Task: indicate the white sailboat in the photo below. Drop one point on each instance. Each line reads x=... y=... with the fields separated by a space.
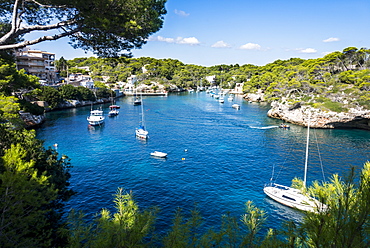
x=295 y=198
x=140 y=130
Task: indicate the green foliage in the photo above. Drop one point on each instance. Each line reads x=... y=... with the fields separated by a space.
x=253 y=220
x=334 y=106
x=346 y=222
x=103 y=93
x=49 y=95
x=24 y=196
x=127 y=227
x=37 y=184
x=99 y=85
x=69 y=92
x=86 y=94
x=31 y=108
x=12 y=80
x=9 y=109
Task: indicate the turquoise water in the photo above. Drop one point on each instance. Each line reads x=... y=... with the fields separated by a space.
x=218 y=157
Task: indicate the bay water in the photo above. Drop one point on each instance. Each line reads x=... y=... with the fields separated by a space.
x=218 y=157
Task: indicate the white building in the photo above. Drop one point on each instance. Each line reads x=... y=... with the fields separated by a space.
x=211 y=79
x=37 y=63
x=132 y=79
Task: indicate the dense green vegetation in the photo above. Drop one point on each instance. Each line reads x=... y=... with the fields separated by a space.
x=337 y=82
x=33 y=184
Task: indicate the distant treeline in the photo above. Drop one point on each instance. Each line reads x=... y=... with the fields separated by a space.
x=339 y=78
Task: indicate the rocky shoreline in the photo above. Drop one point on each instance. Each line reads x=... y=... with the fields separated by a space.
x=320 y=119
x=299 y=114
x=31 y=120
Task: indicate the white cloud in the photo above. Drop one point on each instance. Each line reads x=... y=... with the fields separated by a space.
x=178 y=40
x=331 y=39
x=308 y=50
x=188 y=41
x=250 y=46
x=220 y=44
x=181 y=13
x=168 y=40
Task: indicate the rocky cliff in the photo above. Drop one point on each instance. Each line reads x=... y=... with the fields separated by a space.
x=31 y=120
x=299 y=114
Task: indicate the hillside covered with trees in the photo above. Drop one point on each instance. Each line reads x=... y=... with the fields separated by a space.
x=338 y=81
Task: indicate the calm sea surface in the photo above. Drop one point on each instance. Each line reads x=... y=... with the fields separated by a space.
x=218 y=157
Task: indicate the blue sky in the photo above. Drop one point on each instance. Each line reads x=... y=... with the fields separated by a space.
x=249 y=32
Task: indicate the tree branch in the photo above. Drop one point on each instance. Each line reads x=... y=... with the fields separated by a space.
x=47 y=6
x=38 y=40
x=25 y=30
x=14 y=24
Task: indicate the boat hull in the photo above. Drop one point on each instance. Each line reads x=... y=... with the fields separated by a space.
x=141 y=133
x=236 y=106
x=159 y=154
x=113 y=113
x=96 y=118
x=293 y=198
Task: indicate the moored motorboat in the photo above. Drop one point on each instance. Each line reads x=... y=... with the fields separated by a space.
x=137 y=101
x=235 y=106
x=114 y=106
x=283 y=125
x=96 y=117
x=113 y=112
x=159 y=154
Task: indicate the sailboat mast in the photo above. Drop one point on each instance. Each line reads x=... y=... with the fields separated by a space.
x=142 y=110
x=307 y=144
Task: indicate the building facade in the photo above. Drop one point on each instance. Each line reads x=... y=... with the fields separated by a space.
x=37 y=63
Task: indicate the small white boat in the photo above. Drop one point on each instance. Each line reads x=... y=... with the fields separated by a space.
x=137 y=101
x=159 y=154
x=96 y=117
x=235 y=106
x=285 y=126
x=230 y=98
x=113 y=112
x=221 y=100
x=140 y=131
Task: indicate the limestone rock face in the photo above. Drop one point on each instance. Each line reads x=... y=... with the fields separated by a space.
x=297 y=114
x=31 y=120
x=255 y=97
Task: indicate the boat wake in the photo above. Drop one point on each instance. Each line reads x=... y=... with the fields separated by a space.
x=268 y=127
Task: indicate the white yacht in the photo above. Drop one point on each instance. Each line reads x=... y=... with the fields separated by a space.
x=96 y=117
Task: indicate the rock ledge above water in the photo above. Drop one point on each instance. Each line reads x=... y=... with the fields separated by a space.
x=299 y=114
